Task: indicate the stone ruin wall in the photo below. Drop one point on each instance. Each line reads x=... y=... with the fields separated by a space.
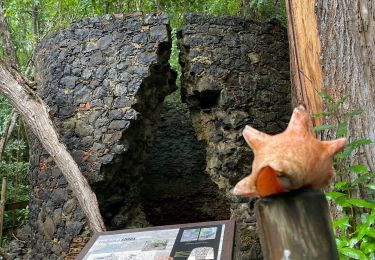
x=104 y=80
x=235 y=72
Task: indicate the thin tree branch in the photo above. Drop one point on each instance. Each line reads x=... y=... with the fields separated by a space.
x=35 y=115
x=8 y=131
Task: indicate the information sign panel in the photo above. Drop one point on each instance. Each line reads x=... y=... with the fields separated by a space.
x=195 y=241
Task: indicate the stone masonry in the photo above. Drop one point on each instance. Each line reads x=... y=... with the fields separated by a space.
x=103 y=80
x=234 y=72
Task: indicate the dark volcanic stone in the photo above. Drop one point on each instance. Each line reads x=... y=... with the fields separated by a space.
x=96 y=77
x=234 y=73
x=104 y=42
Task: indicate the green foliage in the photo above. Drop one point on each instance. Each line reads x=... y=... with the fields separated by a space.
x=5 y=109
x=267 y=9
x=355 y=230
x=14 y=165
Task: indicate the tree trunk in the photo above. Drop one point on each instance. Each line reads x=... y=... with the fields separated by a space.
x=106 y=9
x=3 y=199
x=35 y=20
x=8 y=44
x=35 y=115
x=304 y=46
x=119 y=6
x=138 y=5
x=347 y=34
x=158 y=6
x=8 y=131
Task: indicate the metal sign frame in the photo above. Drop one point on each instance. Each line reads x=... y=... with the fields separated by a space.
x=186 y=237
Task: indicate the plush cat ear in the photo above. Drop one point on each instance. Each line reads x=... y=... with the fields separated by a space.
x=335 y=146
x=254 y=138
x=300 y=120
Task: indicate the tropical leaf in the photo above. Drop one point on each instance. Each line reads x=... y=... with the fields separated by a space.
x=361 y=203
x=342 y=129
x=358 y=169
x=371 y=186
x=342 y=222
x=363 y=178
x=322 y=114
x=355 y=113
x=326 y=96
x=352 y=146
x=353 y=253
x=334 y=195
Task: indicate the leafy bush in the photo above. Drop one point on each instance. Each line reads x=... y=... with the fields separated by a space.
x=355 y=228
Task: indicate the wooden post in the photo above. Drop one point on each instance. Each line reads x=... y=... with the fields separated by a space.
x=2 y=206
x=296 y=225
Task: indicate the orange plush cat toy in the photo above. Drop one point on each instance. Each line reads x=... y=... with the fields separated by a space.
x=288 y=161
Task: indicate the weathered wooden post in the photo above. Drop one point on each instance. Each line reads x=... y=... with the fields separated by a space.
x=296 y=225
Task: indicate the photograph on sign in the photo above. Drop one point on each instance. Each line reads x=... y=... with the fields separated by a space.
x=133 y=246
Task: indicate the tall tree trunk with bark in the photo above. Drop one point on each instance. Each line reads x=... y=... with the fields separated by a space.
x=347 y=35
x=332 y=47
x=35 y=20
x=342 y=34
x=7 y=40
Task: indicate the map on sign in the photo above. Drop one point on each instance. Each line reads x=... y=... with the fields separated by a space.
x=188 y=242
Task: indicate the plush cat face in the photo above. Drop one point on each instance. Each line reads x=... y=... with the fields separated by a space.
x=288 y=161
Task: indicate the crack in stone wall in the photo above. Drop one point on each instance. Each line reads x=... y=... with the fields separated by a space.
x=103 y=80
x=175 y=188
x=120 y=196
x=234 y=72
